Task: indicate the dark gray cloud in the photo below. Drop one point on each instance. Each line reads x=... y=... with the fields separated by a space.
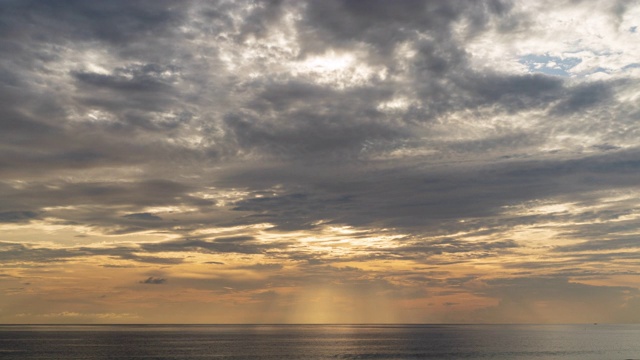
x=455 y=246
x=311 y=120
x=17 y=253
x=142 y=97
x=143 y=253
x=238 y=244
x=400 y=196
x=143 y=216
x=116 y=23
x=381 y=24
x=584 y=97
x=262 y=267
x=17 y=216
x=153 y=281
x=620 y=242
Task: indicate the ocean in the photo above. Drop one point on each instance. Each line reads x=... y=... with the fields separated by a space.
x=540 y=342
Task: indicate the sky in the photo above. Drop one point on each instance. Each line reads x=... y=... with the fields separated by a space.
x=319 y=161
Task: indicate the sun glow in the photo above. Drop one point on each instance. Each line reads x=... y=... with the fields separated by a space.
x=339 y=70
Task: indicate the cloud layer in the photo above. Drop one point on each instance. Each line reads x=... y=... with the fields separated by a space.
x=284 y=158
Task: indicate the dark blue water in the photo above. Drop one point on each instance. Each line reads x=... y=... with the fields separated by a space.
x=597 y=342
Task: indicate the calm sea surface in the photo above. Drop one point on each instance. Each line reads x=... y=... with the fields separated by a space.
x=597 y=342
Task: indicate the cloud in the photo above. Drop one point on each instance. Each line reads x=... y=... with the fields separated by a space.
x=585 y=96
x=214 y=262
x=262 y=267
x=81 y=21
x=17 y=216
x=143 y=216
x=153 y=281
x=236 y=244
x=628 y=242
x=37 y=253
x=452 y=246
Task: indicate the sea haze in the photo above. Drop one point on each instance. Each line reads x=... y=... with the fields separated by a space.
x=584 y=342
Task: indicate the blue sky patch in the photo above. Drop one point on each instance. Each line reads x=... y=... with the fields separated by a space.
x=550 y=65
